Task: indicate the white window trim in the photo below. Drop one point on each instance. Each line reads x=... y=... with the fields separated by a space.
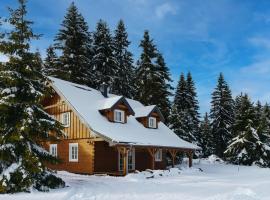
x=133 y=161
x=122 y=120
x=62 y=119
x=70 y=152
x=158 y=155
x=154 y=122
x=53 y=146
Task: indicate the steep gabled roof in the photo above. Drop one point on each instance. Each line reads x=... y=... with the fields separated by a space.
x=146 y=111
x=86 y=102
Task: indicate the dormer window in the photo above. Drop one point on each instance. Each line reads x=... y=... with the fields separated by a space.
x=119 y=116
x=152 y=122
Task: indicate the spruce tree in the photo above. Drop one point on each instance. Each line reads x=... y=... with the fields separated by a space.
x=181 y=124
x=74 y=43
x=23 y=123
x=206 y=138
x=222 y=116
x=193 y=107
x=163 y=89
x=246 y=147
x=104 y=63
x=146 y=71
x=124 y=79
x=51 y=63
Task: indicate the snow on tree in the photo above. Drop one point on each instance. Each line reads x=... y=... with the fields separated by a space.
x=222 y=116
x=246 y=147
x=51 y=63
x=186 y=107
x=74 y=43
x=23 y=122
x=124 y=78
x=206 y=138
x=104 y=63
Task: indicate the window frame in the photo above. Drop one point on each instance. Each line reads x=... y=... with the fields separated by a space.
x=122 y=116
x=131 y=156
x=68 y=118
x=75 y=158
x=154 y=122
x=158 y=155
x=53 y=150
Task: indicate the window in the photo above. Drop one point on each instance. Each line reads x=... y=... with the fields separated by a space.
x=119 y=116
x=65 y=119
x=152 y=122
x=73 y=152
x=131 y=160
x=158 y=155
x=53 y=149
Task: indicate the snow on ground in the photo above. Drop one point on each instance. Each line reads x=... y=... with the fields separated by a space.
x=208 y=179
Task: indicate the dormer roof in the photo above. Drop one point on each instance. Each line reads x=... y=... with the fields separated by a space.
x=146 y=111
x=111 y=102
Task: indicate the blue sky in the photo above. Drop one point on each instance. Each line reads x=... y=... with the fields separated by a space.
x=204 y=37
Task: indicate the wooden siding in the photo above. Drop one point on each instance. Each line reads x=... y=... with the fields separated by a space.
x=57 y=106
x=106 y=158
x=110 y=113
x=86 y=151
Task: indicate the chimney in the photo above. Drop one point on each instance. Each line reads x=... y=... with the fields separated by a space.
x=104 y=88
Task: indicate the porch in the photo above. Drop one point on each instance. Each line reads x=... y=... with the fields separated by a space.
x=121 y=159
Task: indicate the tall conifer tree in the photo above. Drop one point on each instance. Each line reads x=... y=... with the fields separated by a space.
x=22 y=89
x=124 y=81
x=104 y=63
x=146 y=71
x=74 y=43
x=222 y=115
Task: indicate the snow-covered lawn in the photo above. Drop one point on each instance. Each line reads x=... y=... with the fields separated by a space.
x=217 y=181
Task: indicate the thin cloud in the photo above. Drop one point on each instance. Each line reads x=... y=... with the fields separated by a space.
x=164 y=9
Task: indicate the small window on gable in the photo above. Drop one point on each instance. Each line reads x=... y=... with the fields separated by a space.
x=65 y=119
x=152 y=122
x=119 y=116
x=158 y=155
x=73 y=152
x=53 y=150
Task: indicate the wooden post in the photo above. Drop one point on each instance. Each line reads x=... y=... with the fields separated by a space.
x=173 y=153
x=190 y=155
x=152 y=152
x=124 y=152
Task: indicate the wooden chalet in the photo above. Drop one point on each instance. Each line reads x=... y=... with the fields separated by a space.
x=105 y=133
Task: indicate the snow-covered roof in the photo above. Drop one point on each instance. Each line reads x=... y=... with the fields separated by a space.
x=145 y=111
x=87 y=102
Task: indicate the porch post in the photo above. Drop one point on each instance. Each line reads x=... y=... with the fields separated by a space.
x=173 y=153
x=190 y=155
x=152 y=152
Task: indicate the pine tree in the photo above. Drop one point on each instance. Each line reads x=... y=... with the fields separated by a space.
x=206 y=139
x=146 y=71
x=22 y=87
x=104 y=63
x=51 y=63
x=124 y=81
x=222 y=116
x=74 y=43
x=193 y=107
x=247 y=148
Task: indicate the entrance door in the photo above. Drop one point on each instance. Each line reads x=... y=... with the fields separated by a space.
x=130 y=160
